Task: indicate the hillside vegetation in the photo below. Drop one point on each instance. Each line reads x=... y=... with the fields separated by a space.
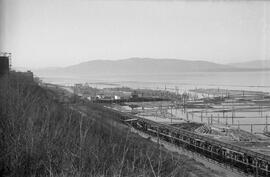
x=41 y=137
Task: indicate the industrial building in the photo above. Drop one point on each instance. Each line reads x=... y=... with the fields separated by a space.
x=4 y=63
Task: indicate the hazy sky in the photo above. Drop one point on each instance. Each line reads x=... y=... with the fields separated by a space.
x=41 y=33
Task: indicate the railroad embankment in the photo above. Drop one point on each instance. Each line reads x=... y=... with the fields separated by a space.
x=41 y=136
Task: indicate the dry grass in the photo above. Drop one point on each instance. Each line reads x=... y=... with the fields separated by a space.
x=41 y=137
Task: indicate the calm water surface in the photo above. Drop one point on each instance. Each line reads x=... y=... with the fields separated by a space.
x=259 y=81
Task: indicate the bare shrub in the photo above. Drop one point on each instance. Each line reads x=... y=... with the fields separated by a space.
x=41 y=137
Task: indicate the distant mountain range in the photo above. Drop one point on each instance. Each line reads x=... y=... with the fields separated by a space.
x=256 y=64
x=151 y=66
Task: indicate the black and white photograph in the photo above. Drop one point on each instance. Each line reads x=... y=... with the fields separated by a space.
x=134 y=88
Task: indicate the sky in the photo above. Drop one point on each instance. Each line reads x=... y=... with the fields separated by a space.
x=45 y=33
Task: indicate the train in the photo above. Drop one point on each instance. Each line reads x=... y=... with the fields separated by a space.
x=232 y=156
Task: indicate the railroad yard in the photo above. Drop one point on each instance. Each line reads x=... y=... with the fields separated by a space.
x=236 y=117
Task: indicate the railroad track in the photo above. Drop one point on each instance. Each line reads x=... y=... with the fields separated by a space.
x=231 y=156
x=209 y=163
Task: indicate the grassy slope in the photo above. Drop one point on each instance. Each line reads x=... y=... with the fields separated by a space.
x=41 y=137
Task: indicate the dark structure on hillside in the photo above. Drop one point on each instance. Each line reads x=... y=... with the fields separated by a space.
x=27 y=76
x=4 y=63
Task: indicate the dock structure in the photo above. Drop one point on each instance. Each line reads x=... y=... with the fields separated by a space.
x=241 y=108
x=142 y=99
x=232 y=156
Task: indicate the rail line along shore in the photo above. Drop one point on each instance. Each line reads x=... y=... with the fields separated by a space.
x=233 y=147
x=228 y=127
x=137 y=88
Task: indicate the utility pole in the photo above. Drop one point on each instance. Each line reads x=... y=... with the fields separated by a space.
x=232 y=115
x=266 y=124
x=171 y=114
